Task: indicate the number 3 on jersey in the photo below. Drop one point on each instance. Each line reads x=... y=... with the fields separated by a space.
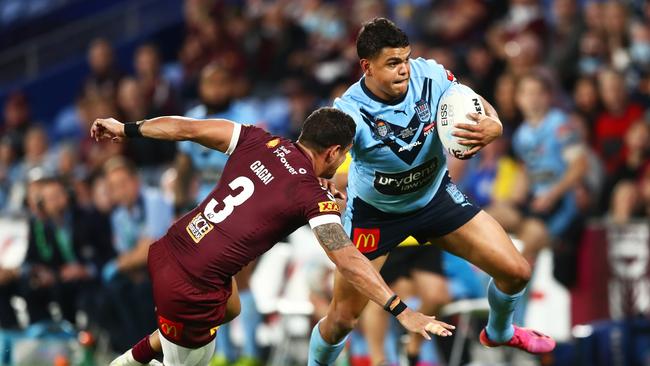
x=229 y=202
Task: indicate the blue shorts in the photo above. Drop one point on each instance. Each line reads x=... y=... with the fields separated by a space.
x=376 y=233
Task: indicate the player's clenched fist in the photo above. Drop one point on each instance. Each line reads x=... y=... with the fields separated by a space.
x=107 y=129
x=419 y=323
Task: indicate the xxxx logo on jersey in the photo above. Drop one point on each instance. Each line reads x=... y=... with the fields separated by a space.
x=273 y=143
x=328 y=206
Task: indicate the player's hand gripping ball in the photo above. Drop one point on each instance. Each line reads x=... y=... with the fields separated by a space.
x=454 y=106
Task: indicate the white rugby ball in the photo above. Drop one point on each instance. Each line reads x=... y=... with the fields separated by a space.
x=454 y=105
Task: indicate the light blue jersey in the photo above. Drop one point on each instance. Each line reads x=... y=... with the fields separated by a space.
x=398 y=161
x=208 y=162
x=541 y=148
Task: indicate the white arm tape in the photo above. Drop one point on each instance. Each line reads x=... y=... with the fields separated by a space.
x=324 y=219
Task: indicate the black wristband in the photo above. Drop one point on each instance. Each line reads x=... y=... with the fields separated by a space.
x=390 y=301
x=132 y=129
x=397 y=310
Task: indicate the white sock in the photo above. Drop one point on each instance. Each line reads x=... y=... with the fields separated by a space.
x=125 y=359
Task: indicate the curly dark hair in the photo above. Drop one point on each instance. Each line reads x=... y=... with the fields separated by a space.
x=377 y=34
x=327 y=127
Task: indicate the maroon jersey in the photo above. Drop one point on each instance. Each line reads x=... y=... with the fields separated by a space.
x=268 y=189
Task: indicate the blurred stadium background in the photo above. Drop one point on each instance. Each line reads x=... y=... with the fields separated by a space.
x=68 y=213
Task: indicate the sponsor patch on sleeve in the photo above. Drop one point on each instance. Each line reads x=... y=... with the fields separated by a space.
x=328 y=206
x=198 y=227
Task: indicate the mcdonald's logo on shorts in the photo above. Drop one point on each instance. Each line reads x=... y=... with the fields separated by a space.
x=170 y=329
x=366 y=240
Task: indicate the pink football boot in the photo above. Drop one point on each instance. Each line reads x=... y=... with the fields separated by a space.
x=525 y=339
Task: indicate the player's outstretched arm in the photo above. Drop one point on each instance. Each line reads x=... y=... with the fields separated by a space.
x=212 y=133
x=362 y=275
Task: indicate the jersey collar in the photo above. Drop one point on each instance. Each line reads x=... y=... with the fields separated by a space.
x=372 y=96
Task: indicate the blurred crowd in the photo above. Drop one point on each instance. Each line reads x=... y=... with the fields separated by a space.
x=94 y=208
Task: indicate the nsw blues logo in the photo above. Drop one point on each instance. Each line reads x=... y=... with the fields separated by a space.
x=423 y=111
x=456 y=195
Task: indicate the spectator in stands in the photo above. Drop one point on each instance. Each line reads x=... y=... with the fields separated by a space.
x=9 y=278
x=594 y=17
x=621 y=188
x=612 y=124
x=140 y=216
x=157 y=92
x=55 y=269
x=565 y=30
x=69 y=124
x=16 y=120
x=281 y=42
x=95 y=154
x=586 y=101
x=593 y=54
x=639 y=49
x=523 y=17
x=615 y=22
x=37 y=153
x=207 y=41
x=68 y=165
x=504 y=103
x=324 y=24
x=524 y=55
x=589 y=191
x=104 y=75
x=631 y=199
x=149 y=155
x=555 y=163
x=302 y=100
x=216 y=102
x=483 y=71
x=37 y=158
x=8 y=171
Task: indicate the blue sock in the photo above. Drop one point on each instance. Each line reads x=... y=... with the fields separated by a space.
x=502 y=310
x=322 y=353
x=391 y=342
x=429 y=352
x=358 y=344
x=224 y=344
x=250 y=319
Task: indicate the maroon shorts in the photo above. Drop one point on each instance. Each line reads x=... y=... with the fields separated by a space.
x=187 y=313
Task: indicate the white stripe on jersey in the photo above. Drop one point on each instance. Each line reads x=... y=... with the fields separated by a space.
x=234 y=139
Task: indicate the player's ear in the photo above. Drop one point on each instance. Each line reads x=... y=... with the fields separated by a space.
x=365 y=66
x=333 y=153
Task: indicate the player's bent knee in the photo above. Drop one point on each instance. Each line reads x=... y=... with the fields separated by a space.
x=344 y=320
x=520 y=274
